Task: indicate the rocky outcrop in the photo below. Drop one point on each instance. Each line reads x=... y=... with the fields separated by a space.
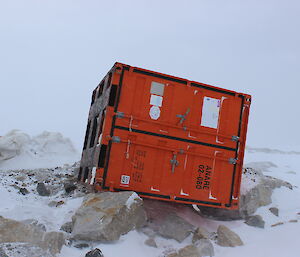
x=226 y=237
x=250 y=200
x=106 y=216
x=31 y=234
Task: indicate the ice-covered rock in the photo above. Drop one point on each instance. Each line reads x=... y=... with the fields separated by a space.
x=49 y=149
x=108 y=215
x=12 y=144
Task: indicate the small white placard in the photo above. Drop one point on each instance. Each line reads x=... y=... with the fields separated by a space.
x=210 y=112
x=154 y=112
x=125 y=180
x=156 y=100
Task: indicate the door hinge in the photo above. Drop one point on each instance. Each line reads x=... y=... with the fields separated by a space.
x=235 y=138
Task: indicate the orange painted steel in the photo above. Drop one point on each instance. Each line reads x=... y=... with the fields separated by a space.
x=166 y=138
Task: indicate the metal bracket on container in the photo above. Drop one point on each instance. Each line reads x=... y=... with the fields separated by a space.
x=235 y=138
x=232 y=160
x=183 y=116
x=120 y=115
x=116 y=139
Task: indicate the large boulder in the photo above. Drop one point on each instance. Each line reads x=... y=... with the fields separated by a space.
x=15 y=231
x=175 y=227
x=165 y=220
x=12 y=231
x=226 y=237
x=108 y=215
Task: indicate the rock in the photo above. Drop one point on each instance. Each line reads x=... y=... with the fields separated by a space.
x=200 y=233
x=22 y=232
x=56 y=203
x=188 y=251
x=205 y=247
x=69 y=187
x=255 y=221
x=227 y=237
x=175 y=227
x=42 y=190
x=81 y=245
x=35 y=223
x=274 y=210
x=172 y=255
x=106 y=216
x=277 y=224
x=20 y=178
x=151 y=242
x=53 y=241
x=24 y=250
x=31 y=234
x=67 y=227
x=2 y=253
x=95 y=253
x=293 y=221
x=23 y=191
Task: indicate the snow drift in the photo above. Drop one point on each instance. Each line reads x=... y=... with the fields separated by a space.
x=20 y=151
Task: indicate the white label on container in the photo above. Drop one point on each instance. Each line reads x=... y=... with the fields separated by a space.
x=125 y=180
x=210 y=112
x=154 y=112
x=156 y=100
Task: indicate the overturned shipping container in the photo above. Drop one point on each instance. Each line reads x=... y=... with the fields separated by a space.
x=166 y=138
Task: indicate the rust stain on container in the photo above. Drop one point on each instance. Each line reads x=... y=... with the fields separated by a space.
x=166 y=138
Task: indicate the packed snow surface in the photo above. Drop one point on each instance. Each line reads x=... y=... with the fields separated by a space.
x=20 y=151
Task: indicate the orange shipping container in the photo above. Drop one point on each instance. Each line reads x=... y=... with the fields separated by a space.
x=166 y=138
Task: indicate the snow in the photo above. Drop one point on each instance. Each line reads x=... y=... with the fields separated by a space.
x=277 y=241
x=49 y=149
x=132 y=199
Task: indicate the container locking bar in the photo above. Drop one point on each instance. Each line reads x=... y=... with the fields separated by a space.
x=174 y=162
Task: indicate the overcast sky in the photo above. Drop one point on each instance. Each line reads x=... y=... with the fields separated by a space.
x=53 y=53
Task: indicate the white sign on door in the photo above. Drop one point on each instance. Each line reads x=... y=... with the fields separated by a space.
x=210 y=112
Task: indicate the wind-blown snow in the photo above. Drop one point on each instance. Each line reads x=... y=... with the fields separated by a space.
x=49 y=149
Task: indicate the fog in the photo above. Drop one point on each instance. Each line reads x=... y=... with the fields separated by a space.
x=53 y=53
